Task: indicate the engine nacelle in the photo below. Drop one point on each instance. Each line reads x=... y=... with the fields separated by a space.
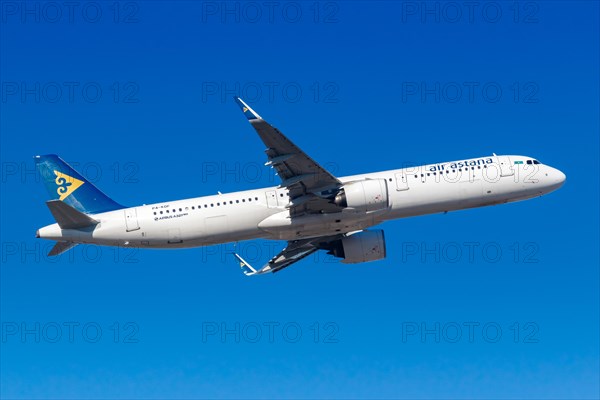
x=360 y=247
x=364 y=196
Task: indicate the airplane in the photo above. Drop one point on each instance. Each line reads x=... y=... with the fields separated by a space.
x=310 y=209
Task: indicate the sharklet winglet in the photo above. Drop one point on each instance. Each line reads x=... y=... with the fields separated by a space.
x=247 y=269
x=248 y=112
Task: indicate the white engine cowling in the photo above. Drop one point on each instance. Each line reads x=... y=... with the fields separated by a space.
x=361 y=247
x=364 y=196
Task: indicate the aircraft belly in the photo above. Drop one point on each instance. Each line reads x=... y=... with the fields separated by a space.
x=281 y=226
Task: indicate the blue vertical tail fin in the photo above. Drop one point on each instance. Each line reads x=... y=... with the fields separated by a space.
x=65 y=184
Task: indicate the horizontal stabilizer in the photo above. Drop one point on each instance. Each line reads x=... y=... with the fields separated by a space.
x=69 y=218
x=61 y=247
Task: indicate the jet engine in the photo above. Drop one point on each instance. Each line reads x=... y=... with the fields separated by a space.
x=363 y=196
x=359 y=247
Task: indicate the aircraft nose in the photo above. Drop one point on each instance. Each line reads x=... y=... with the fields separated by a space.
x=559 y=177
x=37 y=234
x=556 y=179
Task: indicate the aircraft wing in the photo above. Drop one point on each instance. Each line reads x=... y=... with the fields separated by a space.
x=310 y=186
x=295 y=251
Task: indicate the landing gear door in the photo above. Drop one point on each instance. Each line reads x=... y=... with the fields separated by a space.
x=506 y=168
x=131 y=221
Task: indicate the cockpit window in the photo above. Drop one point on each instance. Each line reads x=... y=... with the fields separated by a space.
x=529 y=162
x=536 y=162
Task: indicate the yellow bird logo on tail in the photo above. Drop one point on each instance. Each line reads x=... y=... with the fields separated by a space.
x=66 y=185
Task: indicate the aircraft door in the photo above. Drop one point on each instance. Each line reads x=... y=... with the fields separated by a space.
x=271 y=198
x=401 y=181
x=131 y=221
x=506 y=168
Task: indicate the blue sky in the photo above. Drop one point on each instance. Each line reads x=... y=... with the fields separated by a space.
x=498 y=302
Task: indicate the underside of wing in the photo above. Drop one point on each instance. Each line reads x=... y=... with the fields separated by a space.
x=295 y=251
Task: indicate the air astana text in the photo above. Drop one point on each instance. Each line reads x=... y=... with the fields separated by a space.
x=460 y=164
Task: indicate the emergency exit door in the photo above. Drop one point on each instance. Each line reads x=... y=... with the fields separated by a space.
x=401 y=181
x=131 y=221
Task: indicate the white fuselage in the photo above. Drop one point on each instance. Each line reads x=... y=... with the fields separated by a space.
x=263 y=213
